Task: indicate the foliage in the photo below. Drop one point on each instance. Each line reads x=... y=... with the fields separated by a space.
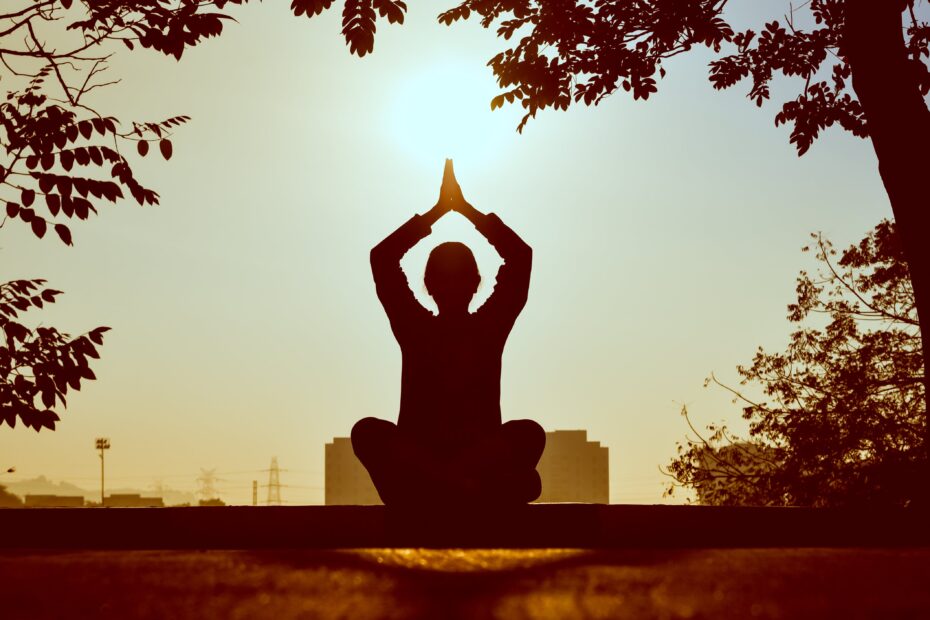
x=568 y=52
x=725 y=471
x=37 y=367
x=843 y=412
x=62 y=158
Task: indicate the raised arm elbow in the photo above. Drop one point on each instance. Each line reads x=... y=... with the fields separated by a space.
x=507 y=242
x=380 y=254
x=520 y=252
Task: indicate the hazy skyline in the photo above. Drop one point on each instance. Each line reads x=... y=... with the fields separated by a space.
x=666 y=240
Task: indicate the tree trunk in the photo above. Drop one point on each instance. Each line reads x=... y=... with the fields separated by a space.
x=899 y=124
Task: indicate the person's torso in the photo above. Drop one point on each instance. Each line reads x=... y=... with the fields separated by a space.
x=450 y=387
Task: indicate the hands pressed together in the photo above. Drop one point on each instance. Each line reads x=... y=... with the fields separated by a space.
x=451 y=198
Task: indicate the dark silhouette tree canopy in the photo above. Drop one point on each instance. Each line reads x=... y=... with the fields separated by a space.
x=841 y=417
x=37 y=367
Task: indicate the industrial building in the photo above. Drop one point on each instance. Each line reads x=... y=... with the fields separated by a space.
x=572 y=469
x=53 y=501
x=347 y=480
x=132 y=500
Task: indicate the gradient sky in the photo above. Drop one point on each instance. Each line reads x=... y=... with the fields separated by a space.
x=666 y=240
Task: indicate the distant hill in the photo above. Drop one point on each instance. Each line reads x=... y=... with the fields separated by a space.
x=9 y=500
x=44 y=486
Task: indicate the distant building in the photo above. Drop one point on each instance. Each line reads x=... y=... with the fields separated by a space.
x=574 y=469
x=347 y=480
x=132 y=500
x=54 y=501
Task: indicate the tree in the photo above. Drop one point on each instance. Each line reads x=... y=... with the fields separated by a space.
x=37 y=367
x=63 y=158
x=842 y=417
x=724 y=471
x=569 y=52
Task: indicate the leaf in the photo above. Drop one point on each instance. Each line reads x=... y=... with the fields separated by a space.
x=16 y=331
x=64 y=233
x=394 y=11
x=358 y=26
x=39 y=226
x=64 y=186
x=46 y=183
x=53 y=202
x=86 y=128
x=143 y=147
x=165 y=147
x=96 y=335
x=95 y=155
x=310 y=7
x=81 y=185
x=67 y=159
x=81 y=207
x=12 y=209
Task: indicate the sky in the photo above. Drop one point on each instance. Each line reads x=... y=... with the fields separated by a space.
x=245 y=326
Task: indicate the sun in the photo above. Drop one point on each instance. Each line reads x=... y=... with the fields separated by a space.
x=444 y=110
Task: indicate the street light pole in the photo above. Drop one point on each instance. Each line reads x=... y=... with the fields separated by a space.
x=103 y=443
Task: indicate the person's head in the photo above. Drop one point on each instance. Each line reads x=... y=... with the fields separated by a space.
x=452 y=276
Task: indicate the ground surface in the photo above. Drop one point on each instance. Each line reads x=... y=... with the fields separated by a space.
x=451 y=584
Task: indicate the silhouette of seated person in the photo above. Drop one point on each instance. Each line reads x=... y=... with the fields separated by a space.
x=449 y=445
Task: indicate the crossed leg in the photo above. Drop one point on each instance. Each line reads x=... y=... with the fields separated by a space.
x=501 y=468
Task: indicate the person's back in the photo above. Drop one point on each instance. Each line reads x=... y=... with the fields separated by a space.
x=450 y=385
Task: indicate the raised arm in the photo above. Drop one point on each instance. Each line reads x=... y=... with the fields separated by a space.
x=513 y=278
x=390 y=282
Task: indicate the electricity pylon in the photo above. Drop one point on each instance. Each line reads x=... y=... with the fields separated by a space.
x=274 y=483
x=207 y=480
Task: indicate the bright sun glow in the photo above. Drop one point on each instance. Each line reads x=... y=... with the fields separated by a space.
x=445 y=111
